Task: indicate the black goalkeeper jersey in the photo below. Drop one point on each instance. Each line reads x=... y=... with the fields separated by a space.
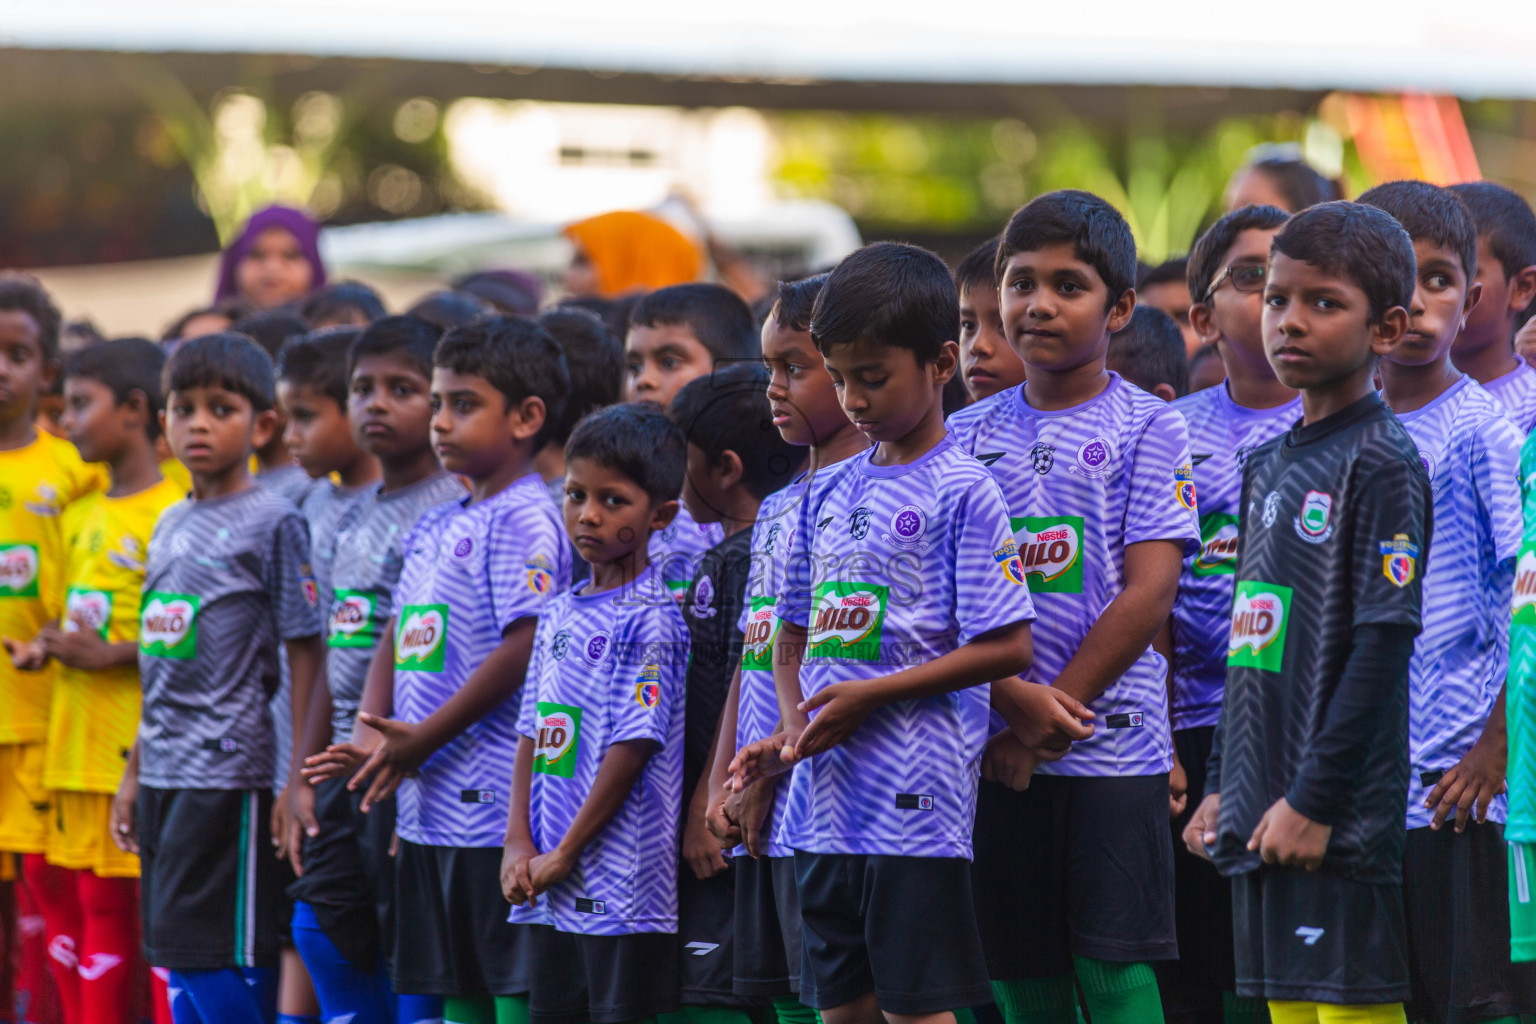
x=1336 y=537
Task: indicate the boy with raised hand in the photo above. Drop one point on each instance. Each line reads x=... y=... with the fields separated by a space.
x=987 y=363
x=1455 y=881
x=1226 y=422
x=1308 y=773
x=87 y=888
x=1074 y=877
x=343 y=919
x=915 y=600
x=477 y=573
x=597 y=789
x=1506 y=270
x=226 y=583
x=735 y=460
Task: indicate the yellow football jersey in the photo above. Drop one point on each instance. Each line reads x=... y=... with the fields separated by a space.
x=37 y=483
x=177 y=473
x=95 y=714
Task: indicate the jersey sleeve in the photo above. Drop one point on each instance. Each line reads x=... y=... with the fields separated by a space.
x=648 y=672
x=1392 y=514
x=797 y=578
x=1160 y=504
x=990 y=591
x=528 y=696
x=521 y=539
x=290 y=581
x=1496 y=476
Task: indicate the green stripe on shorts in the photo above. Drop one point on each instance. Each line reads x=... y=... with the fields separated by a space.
x=1522 y=902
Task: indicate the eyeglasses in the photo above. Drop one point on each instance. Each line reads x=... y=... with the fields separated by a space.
x=1246 y=278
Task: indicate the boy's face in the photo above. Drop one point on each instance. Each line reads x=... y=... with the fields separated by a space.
x=801 y=397
x=1442 y=300
x=1056 y=309
x=390 y=406
x=474 y=430
x=24 y=373
x=987 y=363
x=95 y=423
x=212 y=430
x=1233 y=314
x=884 y=389
x=607 y=515
x=1316 y=325
x=1172 y=297
x=1504 y=295
x=660 y=360
x=318 y=433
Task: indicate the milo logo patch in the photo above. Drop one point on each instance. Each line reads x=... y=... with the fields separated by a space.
x=1218 y=545
x=421 y=637
x=87 y=611
x=18 y=570
x=168 y=625
x=762 y=627
x=557 y=732
x=848 y=620
x=1051 y=548
x=1525 y=587
x=351 y=622
x=1259 y=615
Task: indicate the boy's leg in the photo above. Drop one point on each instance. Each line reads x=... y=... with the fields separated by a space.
x=418 y=1009
x=706 y=938
x=55 y=892
x=109 y=946
x=24 y=809
x=219 y=996
x=760 y=964
x=1119 y=991
x=343 y=987
x=629 y=977
x=1328 y=1013
x=469 y=1010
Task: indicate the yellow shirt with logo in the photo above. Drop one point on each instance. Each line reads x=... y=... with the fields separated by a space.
x=37 y=483
x=95 y=714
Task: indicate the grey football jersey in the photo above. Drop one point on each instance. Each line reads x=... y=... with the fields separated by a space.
x=289 y=481
x=227 y=580
x=369 y=554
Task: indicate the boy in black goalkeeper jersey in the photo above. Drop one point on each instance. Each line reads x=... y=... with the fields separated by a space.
x=1309 y=770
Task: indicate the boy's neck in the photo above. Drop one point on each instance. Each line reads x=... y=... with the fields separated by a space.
x=1409 y=388
x=1250 y=387
x=1490 y=363
x=17 y=433
x=500 y=479
x=845 y=443
x=361 y=471
x=622 y=571
x=1054 y=390
x=741 y=514
x=919 y=441
x=408 y=469
x=1321 y=402
x=233 y=480
x=550 y=463
x=133 y=470
x=274 y=456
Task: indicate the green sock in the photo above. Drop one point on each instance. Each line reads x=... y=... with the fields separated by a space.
x=1037 y=1000
x=1119 y=993
x=790 y=1010
x=964 y=1015
x=469 y=1010
x=705 y=1015
x=511 y=1009
x=1238 y=1009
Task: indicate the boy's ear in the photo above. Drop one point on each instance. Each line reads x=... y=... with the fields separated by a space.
x=161 y=415
x=1202 y=318
x=663 y=514
x=527 y=417
x=1164 y=391
x=946 y=363
x=1389 y=330
x=137 y=404
x=53 y=367
x=1522 y=289
x=729 y=469
x=1474 y=296
x=263 y=428
x=1120 y=313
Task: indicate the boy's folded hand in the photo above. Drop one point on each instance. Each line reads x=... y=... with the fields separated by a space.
x=749 y=809
x=1049 y=720
x=515 y=883
x=334 y=761
x=26 y=655
x=1469 y=786
x=1178 y=788
x=1287 y=837
x=81 y=649
x=1008 y=762
x=701 y=850
x=721 y=818
x=773 y=755
x=1200 y=834
x=840 y=709
x=399 y=754
x=548 y=869
x=124 y=823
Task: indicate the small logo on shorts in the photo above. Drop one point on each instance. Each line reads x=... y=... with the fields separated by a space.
x=477 y=796
x=586 y=906
x=914 y=801
x=224 y=745
x=1131 y=720
x=702 y=948
x=1309 y=935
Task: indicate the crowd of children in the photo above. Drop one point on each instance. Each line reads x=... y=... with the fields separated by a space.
x=494 y=666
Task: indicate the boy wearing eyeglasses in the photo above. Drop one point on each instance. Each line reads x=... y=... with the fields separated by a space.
x=1226 y=276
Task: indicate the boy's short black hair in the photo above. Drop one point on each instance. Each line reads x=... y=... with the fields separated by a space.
x=125 y=366
x=227 y=360
x=341 y=298
x=230 y=309
x=1505 y=219
x=796 y=300
x=517 y=357
x=272 y=329
x=23 y=293
x=1298 y=181
x=614 y=312
x=318 y=361
x=1205 y=258
x=638 y=440
x=1100 y=237
x=452 y=309
x=716 y=315
x=890 y=293
x=411 y=336
x=728 y=411
x=1432 y=213
x=1357 y=242
x=1149 y=350
x=979 y=268
x=1176 y=269
x=594 y=359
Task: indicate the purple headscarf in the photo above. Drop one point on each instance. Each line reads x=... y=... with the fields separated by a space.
x=296 y=222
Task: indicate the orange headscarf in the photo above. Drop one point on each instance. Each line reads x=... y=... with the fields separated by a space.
x=635 y=250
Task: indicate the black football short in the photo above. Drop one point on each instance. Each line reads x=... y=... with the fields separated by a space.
x=767 y=927
x=1073 y=867
x=706 y=938
x=1456 y=896
x=1317 y=937
x=341 y=872
x=604 y=979
x=211 y=890
x=878 y=923
x=452 y=937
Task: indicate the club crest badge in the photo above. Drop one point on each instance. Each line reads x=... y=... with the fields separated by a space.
x=1314 y=524
x=1399 y=560
x=1095 y=457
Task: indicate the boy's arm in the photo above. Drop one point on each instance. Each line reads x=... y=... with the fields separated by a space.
x=1178 y=781
x=338 y=759
x=616 y=777
x=720 y=765
x=407 y=745
x=1469 y=786
x=124 y=823
x=86 y=650
x=518 y=849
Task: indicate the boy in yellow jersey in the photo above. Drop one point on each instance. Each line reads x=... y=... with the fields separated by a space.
x=87 y=888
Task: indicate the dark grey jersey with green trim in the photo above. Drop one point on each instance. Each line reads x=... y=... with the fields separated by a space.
x=1336 y=537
